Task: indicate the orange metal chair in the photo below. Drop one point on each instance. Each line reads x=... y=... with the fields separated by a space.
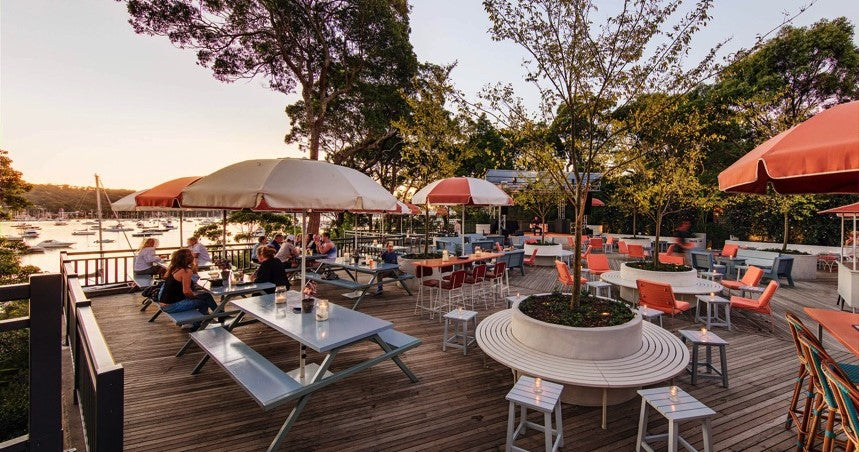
x=660 y=296
x=622 y=248
x=598 y=264
x=571 y=242
x=608 y=246
x=587 y=252
x=761 y=305
x=667 y=258
x=729 y=250
x=596 y=243
x=751 y=278
x=636 y=252
x=565 y=276
x=531 y=261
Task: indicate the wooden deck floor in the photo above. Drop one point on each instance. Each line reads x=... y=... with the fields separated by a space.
x=458 y=404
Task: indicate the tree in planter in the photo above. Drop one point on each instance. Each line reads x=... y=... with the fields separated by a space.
x=541 y=196
x=585 y=71
x=664 y=158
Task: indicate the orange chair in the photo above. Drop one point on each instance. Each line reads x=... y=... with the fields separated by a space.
x=531 y=260
x=621 y=247
x=565 y=277
x=608 y=247
x=636 y=252
x=660 y=296
x=761 y=305
x=598 y=264
x=751 y=278
x=666 y=258
x=571 y=242
x=729 y=250
x=587 y=252
x=596 y=243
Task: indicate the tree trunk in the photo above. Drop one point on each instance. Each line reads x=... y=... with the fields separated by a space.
x=634 y=217
x=786 y=231
x=577 y=249
x=543 y=229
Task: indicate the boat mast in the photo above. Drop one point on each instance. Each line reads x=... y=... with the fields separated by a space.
x=98 y=209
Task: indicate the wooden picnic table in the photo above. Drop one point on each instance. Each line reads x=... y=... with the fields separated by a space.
x=438 y=263
x=267 y=384
x=841 y=325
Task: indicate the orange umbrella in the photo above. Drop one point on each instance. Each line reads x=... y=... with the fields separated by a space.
x=596 y=202
x=820 y=155
x=168 y=194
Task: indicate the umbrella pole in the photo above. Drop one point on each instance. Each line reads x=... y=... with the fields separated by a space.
x=462 y=231
x=854 y=241
x=841 y=243
x=355 y=234
x=181 y=220
x=225 y=232
x=303 y=252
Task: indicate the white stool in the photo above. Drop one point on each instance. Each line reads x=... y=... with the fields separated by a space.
x=650 y=314
x=677 y=406
x=599 y=287
x=461 y=319
x=545 y=400
x=586 y=273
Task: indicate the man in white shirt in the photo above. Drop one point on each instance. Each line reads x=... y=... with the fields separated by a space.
x=288 y=250
x=201 y=255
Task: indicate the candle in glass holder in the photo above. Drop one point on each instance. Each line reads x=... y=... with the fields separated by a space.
x=712 y=296
x=538 y=385
x=280 y=294
x=704 y=332
x=321 y=310
x=672 y=393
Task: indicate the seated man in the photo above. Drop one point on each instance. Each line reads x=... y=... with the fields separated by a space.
x=288 y=252
x=389 y=256
x=263 y=241
x=201 y=255
x=325 y=246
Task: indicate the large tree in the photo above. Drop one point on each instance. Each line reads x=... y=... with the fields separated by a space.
x=12 y=187
x=787 y=80
x=587 y=64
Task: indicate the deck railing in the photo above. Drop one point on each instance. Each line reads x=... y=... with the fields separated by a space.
x=44 y=293
x=98 y=380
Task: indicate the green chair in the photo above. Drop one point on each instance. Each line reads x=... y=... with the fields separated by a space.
x=847 y=399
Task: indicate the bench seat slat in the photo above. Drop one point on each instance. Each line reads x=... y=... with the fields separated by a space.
x=397 y=339
x=264 y=381
x=344 y=283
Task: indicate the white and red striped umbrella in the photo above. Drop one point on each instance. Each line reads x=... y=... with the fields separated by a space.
x=458 y=191
x=406 y=208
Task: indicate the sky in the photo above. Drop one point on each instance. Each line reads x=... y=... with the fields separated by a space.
x=81 y=93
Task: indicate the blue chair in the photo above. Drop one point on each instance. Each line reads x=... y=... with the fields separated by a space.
x=703 y=261
x=781 y=268
x=516 y=259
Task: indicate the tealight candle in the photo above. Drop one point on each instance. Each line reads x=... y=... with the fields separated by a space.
x=280 y=294
x=321 y=310
x=538 y=385
x=672 y=393
x=703 y=331
x=712 y=296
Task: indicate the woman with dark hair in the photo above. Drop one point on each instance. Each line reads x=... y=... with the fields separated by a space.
x=176 y=294
x=270 y=269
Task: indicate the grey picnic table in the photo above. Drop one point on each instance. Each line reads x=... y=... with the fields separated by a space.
x=270 y=386
x=359 y=289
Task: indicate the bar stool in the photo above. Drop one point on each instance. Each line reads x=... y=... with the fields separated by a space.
x=542 y=396
x=677 y=406
x=453 y=288
x=499 y=279
x=461 y=319
x=424 y=282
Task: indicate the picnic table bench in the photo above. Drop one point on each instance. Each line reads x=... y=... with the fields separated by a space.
x=270 y=386
x=380 y=274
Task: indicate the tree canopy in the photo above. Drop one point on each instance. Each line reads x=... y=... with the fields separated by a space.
x=12 y=187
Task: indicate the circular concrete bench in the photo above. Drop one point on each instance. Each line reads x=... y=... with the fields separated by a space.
x=592 y=382
x=629 y=289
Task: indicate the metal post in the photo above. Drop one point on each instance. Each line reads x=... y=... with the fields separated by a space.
x=46 y=432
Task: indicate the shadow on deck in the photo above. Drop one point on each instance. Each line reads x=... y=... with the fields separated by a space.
x=458 y=404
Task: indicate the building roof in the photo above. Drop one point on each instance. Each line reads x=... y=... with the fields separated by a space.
x=517 y=179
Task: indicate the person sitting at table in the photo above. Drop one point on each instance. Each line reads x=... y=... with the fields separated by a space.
x=288 y=253
x=389 y=256
x=147 y=261
x=263 y=241
x=311 y=244
x=277 y=242
x=270 y=269
x=199 y=251
x=325 y=246
x=176 y=293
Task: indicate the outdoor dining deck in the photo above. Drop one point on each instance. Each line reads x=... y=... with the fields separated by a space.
x=459 y=402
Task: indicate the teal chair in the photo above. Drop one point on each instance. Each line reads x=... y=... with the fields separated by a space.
x=824 y=405
x=847 y=399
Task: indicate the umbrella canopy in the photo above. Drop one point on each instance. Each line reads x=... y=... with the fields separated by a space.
x=127 y=203
x=289 y=184
x=165 y=195
x=596 y=202
x=467 y=191
x=406 y=208
x=820 y=155
x=849 y=209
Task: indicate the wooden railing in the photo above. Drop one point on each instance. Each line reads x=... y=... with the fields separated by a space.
x=44 y=293
x=117 y=266
x=98 y=380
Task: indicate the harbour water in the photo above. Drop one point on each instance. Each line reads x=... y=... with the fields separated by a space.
x=50 y=259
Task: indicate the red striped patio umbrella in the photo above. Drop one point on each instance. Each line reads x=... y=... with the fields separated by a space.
x=164 y=196
x=462 y=191
x=596 y=202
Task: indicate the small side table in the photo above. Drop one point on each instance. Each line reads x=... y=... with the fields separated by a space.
x=712 y=276
x=460 y=319
x=586 y=273
x=650 y=314
x=740 y=267
x=708 y=340
x=546 y=400
x=750 y=290
x=599 y=287
x=677 y=406
x=712 y=318
x=512 y=299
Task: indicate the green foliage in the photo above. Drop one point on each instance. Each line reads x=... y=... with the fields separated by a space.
x=70 y=198
x=659 y=267
x=14 y=384
x=12 y=186
x=591 y=312
x=541 y=197
x=213 y=232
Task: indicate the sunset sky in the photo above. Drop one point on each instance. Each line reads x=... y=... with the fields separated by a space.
x=81 y=93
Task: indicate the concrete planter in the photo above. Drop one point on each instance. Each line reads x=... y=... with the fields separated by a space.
x=804 y=267
x=543 y=250
x=676 y=279
x=598 y=343
x=645 y=242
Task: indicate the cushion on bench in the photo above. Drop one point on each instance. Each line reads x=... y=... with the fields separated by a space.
x=264 y=381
